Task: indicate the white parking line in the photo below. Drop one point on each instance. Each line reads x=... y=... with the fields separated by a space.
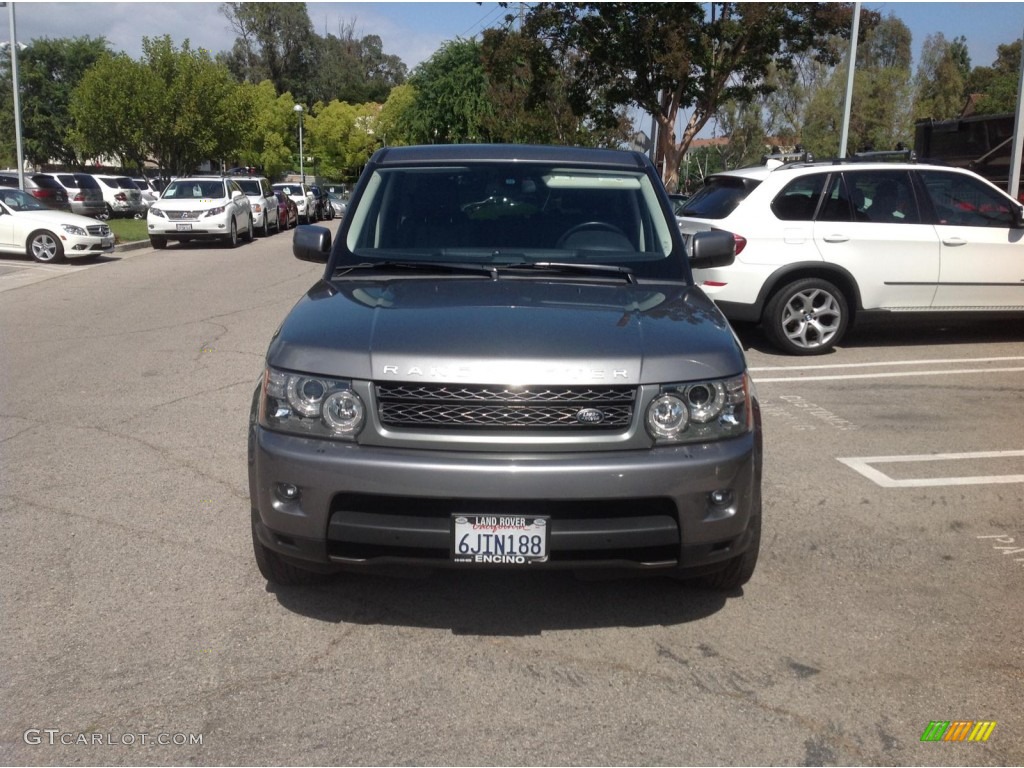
x=862 y=464
x=945 y=371
x=949 y=361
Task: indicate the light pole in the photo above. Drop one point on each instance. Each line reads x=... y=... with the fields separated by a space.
x=302 y=166
x=15 y=87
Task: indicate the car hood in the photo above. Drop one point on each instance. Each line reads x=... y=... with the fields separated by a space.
x=56 y=218
x=506 y=331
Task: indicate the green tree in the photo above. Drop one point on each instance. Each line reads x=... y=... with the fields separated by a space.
x=940 y=82
x=451 y=105
x=528 y=90
x=666 y=57
x=124 y=91
x=265 y=146
x=881 y=115
x=997 y=85
x=275 y=42
x=176 y=107
x=393 y=119
x=48 y=71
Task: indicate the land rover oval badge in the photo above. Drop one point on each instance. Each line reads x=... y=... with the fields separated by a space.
x=590 y=416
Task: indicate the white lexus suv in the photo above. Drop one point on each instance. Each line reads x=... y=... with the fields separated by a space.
x=200 y=208
x=819 y=243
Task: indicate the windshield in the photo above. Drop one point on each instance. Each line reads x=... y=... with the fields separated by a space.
x=17 y=200
x=511 y=214
x=717 y=198
x=250 y=186
x=193 y=190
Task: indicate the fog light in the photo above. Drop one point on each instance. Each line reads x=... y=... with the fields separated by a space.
x=286 y=491
x=721 y=498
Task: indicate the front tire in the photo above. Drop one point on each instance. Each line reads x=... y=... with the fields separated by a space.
x=273 y=567
x=806 y=317
x=45 y=247
x=740 y=569
x=250 y=230
x=159 y=243
x=233 y=234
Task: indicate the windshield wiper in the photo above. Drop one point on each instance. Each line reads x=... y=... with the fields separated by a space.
x=425 y=266
x=560 y=266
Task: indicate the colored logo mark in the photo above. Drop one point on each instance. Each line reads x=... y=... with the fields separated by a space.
x=958 y=730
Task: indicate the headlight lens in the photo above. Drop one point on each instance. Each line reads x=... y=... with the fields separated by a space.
x=215 y=211
x=157 y=212
x=313 y=406
x=701 y=411
x=71 y=229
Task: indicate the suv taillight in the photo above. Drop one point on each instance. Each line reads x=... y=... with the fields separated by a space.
x=741 y=241
x=121 y=196
x=43 y=194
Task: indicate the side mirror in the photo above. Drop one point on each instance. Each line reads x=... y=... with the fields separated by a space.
x=713 y=248
x=311 y=243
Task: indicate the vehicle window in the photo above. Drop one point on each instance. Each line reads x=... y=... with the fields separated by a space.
x=798 y=200
x=112 y=183
x=85 y=181
x=67 y=179
x=498 y=214
x=965 y=201
x=888 y=196
x=842 y=203
x=718 y=197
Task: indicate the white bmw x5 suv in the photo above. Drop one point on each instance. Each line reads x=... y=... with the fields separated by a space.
x=819 y=243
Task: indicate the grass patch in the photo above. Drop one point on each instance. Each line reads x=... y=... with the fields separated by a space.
x=128 y=230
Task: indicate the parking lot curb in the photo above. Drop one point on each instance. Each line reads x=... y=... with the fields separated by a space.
x=134 y=245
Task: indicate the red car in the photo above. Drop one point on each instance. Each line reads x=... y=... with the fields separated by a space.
x=288 y=212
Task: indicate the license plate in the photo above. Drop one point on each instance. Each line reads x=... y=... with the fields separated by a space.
x=184 y=227
x=499 y=540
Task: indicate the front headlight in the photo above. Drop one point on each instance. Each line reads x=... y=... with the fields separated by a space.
x=158 y=213
x=312 y=406
x=71 y=229
x=215 y=211
x=701 y=411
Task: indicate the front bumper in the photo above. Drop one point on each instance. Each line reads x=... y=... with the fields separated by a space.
x=177 y=229
x=646 y=509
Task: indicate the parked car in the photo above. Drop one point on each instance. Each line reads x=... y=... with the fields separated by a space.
x=819 y=244
x=303 y=198
x=338 y=203
x=84 y=193
x=29 y=227
x=200 y=208
x=121 y=196
x=287 y=210
x=150 y=194
x=506 y=363
x=262 y=201
x=324 y=209
x=44 y=189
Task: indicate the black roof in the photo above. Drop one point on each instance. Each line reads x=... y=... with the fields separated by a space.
x=527 y=153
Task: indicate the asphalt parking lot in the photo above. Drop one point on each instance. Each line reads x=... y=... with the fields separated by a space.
x=137 y=630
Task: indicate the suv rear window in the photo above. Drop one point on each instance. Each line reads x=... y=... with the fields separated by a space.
x=718 y=197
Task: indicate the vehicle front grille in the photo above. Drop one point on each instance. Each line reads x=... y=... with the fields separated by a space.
x=182 y=215
x=496 y=407
x=98 y=230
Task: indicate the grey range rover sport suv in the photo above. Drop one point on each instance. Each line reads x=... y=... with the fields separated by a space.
x=507 y=364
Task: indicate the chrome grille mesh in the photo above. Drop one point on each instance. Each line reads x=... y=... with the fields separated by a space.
x=486 y=407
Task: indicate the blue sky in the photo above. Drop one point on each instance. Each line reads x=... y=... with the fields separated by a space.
x=413 y=31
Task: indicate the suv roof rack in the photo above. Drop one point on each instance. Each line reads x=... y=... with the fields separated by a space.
x=776 y=159
x=896 y=155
